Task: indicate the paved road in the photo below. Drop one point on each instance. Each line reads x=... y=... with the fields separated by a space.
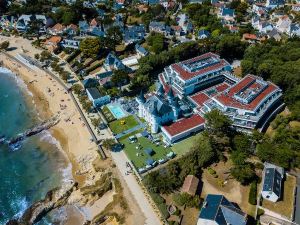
x=120 y=159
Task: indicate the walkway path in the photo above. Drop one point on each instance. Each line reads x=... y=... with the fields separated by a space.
x=120 y=159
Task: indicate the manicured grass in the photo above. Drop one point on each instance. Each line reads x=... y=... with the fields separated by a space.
x=185 y=145
x=116 y=126
x=285 y=205
x=140 y=161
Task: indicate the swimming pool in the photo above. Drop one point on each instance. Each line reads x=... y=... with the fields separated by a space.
x=116 y=110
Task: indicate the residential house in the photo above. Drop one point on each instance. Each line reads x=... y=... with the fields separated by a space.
x=227 y=15
x=8 y=22
x=294 y=30
x=72 y=30
x=160 y=27
x=177 y=30
x=272 y=182
x=141 y=50
x=251 y=38
x=271 y=4
x=296 y=7
x=134 y=34
x=203 y=34
x=57 y=29
x=264 y=27
x=274 y=34
x=96 y=98
x=83 y=27
x=143 y=8
x=190 y=185
x=70 y=43
x=23 y=22
x=52 y=43
x=184 y=22
x=217 y=210
x=112 y=62
x=150 y=2
x=283 y=24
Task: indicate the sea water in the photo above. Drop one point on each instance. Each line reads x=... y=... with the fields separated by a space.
x=29 y=172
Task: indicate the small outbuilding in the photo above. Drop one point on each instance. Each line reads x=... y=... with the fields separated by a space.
x=190 y=185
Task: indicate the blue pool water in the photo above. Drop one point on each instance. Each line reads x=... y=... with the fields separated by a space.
x=116 y=110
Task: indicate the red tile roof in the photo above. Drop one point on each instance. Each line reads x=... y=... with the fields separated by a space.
x=184 y=124
x=200 y=98
x=186 y=75
x=222 y=87
x=190 y=184
x=228 y=100
x=247 y=36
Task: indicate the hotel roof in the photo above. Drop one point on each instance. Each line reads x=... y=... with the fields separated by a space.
x=184 y=125
x=199 y=65
x=200 y=98
x=247 y=94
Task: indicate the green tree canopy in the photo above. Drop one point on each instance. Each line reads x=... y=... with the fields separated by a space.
x=90 y=46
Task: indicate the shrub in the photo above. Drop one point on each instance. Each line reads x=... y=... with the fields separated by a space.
x=164 y=211
x=157 y=198
x=260 y=212
x=186 y=199
x=212 y=172
x=253 y=193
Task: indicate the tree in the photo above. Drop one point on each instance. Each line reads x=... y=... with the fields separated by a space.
x=156 y=41
x=119 y=77
x=244 y=174
x=37 y=56
x=3 y=6
x=35 y=25
x=4 y=45
x=90 y=46
x=68 y=17
x=108 y=143
x=77 y=88
x=217 y=122
x=115 y=35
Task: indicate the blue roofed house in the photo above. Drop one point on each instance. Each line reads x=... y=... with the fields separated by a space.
x=272 y=182
x=150 y=2
x=134 y=34
x=217 y=210
x=83 y=27
x=24 y=21
x=227 y=15
x=70 y=43
x=141 y=50
x=203 y=34
x=112 y=62
x=160 y=27
x=271 y=4
x=96 y=97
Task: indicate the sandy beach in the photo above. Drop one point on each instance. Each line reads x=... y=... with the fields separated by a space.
x=51 y=99
x=75 y=140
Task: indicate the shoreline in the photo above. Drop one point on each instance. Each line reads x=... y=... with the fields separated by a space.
x=73 y=147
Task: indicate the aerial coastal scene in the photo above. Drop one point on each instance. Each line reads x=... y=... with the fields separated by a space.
x=149 y=112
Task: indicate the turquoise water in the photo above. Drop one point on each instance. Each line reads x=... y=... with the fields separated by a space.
x=28 y=173
x=116 y=110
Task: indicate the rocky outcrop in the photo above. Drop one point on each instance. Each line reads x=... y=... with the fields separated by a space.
x=54 y=199
x=35 y=130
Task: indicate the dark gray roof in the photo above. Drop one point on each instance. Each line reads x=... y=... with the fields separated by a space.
x=217 y=208
x=94 y=93
x=272 y=181
x=157 y=105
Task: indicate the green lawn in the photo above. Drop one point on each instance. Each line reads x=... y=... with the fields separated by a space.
x=140 y=161
x=116 y=126
x=185 y=145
